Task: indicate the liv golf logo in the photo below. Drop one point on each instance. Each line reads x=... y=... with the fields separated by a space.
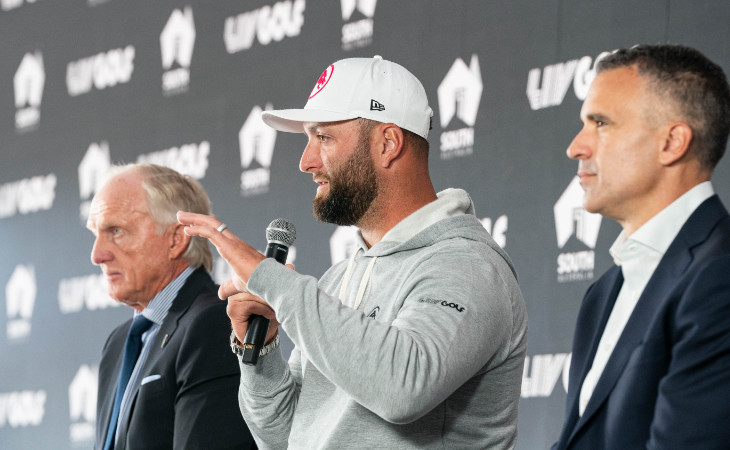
x=90 y=292
x=20 y=295
x=357 y=33
x=256 y=141
x=266 y=24
x=572 y=220
x=547 y=87
x=459 y=95
x=22 y=408
x=28 y=195
x=177 y=41
x=100 y=71
x=188 y=159
x=28 y=84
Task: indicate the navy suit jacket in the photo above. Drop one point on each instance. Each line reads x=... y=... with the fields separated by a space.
x=667 y=382
x=194 y=402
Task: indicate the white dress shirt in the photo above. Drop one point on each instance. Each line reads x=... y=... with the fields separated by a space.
x=638 y=256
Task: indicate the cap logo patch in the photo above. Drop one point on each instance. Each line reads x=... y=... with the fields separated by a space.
x=376 y=105
x=323 y=80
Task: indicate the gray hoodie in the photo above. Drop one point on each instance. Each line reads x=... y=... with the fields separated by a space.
x=425 y=349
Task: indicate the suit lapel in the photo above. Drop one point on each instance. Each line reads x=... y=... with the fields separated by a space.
x=185 y=297
x=109 y=378
x=674 y=263
x=615 y=281
x=195 y=283
x=603 y=295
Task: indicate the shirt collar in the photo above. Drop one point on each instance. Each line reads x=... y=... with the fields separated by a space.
x=658 y=233
x=157 y=309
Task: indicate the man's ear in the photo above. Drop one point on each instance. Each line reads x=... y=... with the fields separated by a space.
x=676 y=144
x=179 y=241
x=392 y=142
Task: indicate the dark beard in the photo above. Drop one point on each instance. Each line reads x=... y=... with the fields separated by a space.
x=352 y=188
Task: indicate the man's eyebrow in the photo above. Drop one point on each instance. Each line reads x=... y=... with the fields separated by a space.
x=597 y=117
x=314 y=128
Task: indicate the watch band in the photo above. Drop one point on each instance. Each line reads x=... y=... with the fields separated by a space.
x=237 y=346
x=273 y=345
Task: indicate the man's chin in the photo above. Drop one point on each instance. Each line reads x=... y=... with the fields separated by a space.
x=321 y=195
x=591 y=207
x=121 y=297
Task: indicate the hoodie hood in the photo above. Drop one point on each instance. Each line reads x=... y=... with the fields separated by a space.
x=451 y=215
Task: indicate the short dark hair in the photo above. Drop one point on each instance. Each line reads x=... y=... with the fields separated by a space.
x=698 y=87
x=414 y=141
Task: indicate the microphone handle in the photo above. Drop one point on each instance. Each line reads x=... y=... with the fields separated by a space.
x=258 y=326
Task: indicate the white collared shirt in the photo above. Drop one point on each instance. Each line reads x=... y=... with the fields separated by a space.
x=638 y=256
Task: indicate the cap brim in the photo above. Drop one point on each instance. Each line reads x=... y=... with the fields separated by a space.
x=291 y=120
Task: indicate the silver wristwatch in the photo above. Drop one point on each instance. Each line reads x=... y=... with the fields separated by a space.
x=237 y=346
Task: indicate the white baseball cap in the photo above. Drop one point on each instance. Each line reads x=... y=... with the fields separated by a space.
x=371 y=88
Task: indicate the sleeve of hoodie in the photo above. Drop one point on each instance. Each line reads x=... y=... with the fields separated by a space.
x=427 y=352
x=267 y=397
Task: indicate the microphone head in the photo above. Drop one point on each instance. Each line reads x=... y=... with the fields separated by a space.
x=281 y=231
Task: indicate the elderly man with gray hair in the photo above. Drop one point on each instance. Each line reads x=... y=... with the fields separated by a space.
x=166 y=378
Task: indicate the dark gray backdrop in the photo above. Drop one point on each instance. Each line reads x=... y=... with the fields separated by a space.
x=81 y=85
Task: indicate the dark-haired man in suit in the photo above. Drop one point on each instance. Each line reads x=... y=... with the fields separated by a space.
x=651 y=352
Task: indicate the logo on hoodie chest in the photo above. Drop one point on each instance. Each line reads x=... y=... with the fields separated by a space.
x=374 y=312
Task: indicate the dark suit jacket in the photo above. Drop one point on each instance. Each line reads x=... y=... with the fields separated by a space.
x=194 y=403
x=667 y=383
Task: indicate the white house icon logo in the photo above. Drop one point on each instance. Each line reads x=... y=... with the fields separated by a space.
x=256 y=139
x=366 y=7
x=82 y=393
x=460 y=93
x=178 y=38
x=29 y=80
x=256 y=142
x=20 y=293
x=93 y=167
x=177 y=41
x=357 y=33
x=28 y=84
x=571 y=218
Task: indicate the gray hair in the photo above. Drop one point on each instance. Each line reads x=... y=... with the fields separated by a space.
x=168 y=192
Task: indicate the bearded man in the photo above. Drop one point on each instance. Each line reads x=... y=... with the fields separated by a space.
x=418 y=341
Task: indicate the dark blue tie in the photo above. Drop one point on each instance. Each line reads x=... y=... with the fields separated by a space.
x=132 y=347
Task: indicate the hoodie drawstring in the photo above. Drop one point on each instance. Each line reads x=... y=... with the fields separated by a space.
x=363 y=281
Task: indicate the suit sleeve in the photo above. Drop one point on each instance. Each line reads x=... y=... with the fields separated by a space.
x=692 y=404
x=206 y=411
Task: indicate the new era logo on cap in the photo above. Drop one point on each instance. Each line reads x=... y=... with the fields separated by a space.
x=376 y=105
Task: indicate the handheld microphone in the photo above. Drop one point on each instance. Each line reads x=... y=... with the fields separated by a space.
x=280 y=235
